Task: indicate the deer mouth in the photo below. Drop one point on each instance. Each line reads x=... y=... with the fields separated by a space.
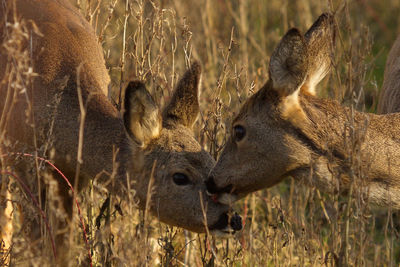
x=224 y=195
x=212 y=188
x=227 y=225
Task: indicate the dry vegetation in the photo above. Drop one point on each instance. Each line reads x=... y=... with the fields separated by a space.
x=288 y=225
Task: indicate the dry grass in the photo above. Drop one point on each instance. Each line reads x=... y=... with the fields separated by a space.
x=288 y=225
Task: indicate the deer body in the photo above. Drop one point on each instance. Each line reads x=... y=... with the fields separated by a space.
x=284 y=130
x=389 y=99
x=67 y=42
x=45 y=117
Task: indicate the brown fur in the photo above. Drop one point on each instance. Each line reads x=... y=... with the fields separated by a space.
x=46 y=119
x=328 y=147
x=288 y=64
x=389 y=99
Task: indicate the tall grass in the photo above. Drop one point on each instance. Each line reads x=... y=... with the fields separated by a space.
x=288 y=225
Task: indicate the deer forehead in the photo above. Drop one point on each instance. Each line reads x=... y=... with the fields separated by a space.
x=253 y=112
x=182 y=151
x=179 y=139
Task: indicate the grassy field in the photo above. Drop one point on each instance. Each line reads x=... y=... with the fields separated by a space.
x=288 y=225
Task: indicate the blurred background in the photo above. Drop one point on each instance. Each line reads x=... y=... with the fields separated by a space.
x=290 y=224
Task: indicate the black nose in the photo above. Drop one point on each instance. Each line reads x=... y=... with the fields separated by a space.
x=214 y=189
x=236 y=222
x=211 y=186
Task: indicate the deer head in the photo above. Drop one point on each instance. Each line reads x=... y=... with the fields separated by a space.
x=171 y=158
x=265 y=146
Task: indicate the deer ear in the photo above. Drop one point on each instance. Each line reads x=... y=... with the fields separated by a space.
x=142 y=118
x=288 y=68
x=289 y=63
x=184 y=106
x=320 y=40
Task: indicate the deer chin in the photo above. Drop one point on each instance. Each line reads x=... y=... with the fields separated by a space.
x=225 y=198
x=225 y=233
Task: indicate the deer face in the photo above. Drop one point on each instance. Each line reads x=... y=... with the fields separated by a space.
x=263 y=149
x=265 y=145
x=172 y=165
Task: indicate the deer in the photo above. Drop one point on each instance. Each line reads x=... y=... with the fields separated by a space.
x=142 y=145
x=284 y=129
x=389 y=98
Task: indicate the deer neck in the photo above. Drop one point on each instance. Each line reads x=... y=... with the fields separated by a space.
x=349 y=146
x=100 y=142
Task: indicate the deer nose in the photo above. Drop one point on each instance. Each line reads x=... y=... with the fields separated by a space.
x=211 y=186
x=236 y=222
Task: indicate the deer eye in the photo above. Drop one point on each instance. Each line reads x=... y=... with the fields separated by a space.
x=180 y=179
x=239 y=132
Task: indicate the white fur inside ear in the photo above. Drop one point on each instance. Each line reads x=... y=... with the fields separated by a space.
x=144 y=121
x=151 y=125
x=291 y=109
x=156 y=129
x=315 y=78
